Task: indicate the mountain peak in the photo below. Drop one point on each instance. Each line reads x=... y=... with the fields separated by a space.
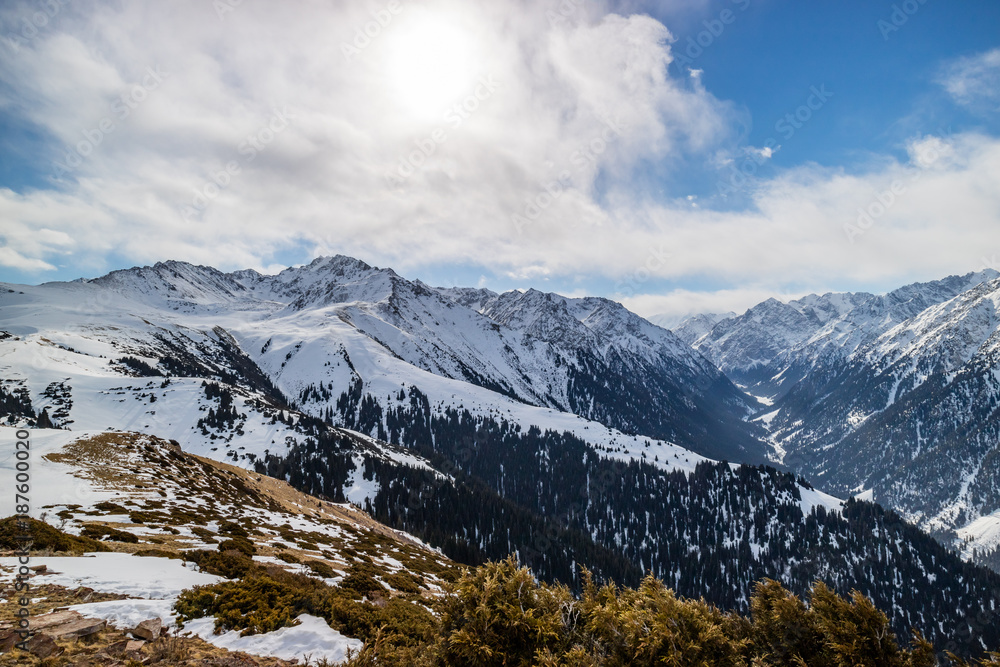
x=337 y=263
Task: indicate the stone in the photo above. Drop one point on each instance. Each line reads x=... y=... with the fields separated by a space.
x=53 y=618
x=84 y=627
x=134 y=645
x=84 y=593
x=39 y=569
x=117 y=648
x=148 y=630
x=7 y=640
x=67 y=625
x=42 y=646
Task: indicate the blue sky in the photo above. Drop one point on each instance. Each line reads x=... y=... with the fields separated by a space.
x=883 y=79
x=594 y=154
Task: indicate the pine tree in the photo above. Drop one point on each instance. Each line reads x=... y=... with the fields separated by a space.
x=44 y=421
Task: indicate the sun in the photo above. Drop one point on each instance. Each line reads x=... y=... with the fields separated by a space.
x=432 y=64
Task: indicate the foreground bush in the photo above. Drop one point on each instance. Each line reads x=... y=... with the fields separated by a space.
x=498 y=615
x=268 y=597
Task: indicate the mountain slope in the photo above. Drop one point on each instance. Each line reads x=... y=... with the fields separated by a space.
x=896 y=397
x=162 y=521
x=691 y=328
x=708 y=533
x=443 y=413
x=774 y=344
x=623 y=371
x=331 y=320
x=927 y=392
x=140 y=492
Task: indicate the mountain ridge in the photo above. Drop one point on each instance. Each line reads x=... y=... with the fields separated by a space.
x=519 y=429
x=895 y=398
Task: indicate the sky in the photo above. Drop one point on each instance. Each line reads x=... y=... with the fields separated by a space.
x=679 y=157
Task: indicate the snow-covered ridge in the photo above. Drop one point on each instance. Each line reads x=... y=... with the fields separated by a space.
x=773 y=337
x=897 y=394
x=538 y=359
x=146 y=489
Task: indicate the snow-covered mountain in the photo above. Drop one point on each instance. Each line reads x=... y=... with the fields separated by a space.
x=895 y=395
x=691 y=328
x=540 y=359
x=621 y=370
x=566 y=431
x=774 y=344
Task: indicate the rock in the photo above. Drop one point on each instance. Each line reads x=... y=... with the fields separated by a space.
x=77 y=629
x=67 y=625
x=148 y=630
x=134 y=645
x=7 y=640
x=42 y=646
x=53 y=618
x=85 y=594
x=117 y=648
x=39 y=569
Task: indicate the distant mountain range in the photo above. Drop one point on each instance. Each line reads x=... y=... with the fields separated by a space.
x=566 y=431
x=893 y=397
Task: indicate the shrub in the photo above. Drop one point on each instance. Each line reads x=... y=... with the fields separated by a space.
x=651 y=626
x=320 y=569
x=232 y=528
x=240 y=544
x=137 y=516
x=159 y=553
x=254 y=605
x=207 y=536
x=270 y=597
x=229 y=564
x=361 y=582
x=113 y=508
x=108 y=534
x=498 y=616
x=45 y=537
x=404 y=582
x=829 y=632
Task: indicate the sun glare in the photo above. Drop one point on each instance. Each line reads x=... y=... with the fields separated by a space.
x=432 y=64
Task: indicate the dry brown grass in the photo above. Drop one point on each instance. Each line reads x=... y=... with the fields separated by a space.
x=100 y=459
x=160 y=486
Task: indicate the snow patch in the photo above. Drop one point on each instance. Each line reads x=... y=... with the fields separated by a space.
x=121 y=573
x=311 y=640
x=811 y=498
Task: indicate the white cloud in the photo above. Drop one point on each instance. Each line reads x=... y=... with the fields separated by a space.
x=765 y=153
x=931 y=152
x=579 y=105
x=974 y=81
x=585 y=96
x=677 y=304
x=12 y=258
